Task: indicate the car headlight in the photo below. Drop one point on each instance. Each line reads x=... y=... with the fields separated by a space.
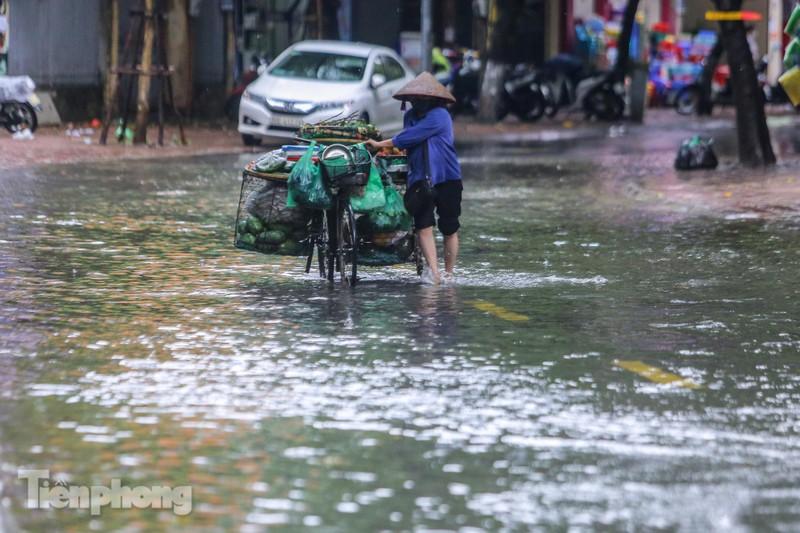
x=256 y=99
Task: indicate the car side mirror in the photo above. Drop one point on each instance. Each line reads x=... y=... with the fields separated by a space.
x=377 y=80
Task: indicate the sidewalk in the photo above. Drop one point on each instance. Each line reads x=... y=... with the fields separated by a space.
x=52 y=145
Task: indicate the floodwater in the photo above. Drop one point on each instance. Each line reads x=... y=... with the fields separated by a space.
x=596 y=367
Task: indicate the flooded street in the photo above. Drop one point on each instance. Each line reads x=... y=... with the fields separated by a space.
x=598 y=365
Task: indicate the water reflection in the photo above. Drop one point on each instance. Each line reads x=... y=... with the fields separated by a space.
x=138 y=344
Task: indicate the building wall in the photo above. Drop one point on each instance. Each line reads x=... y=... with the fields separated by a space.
x=376 y=22
x=209 y=45
x=55 y=41
x=60 y=42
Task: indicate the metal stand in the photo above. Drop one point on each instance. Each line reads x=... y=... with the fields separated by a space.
x=133 y=70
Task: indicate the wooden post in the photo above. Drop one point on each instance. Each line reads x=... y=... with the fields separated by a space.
x=112 y=78
x=230 y=52
x=143 y=102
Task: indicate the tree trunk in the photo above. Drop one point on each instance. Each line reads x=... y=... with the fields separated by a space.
x=143 y=98
x=706 y=104
x=112 y=78
x=179 y=52
x=503 y=18
x=620 y=68
x=754 y=144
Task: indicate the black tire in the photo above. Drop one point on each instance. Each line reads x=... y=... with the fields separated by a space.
x=318 y=241
x=603 y=104
x=20 y=115
x=250 y=140
x=346 y=243
x=530 y=105
x=688 y=100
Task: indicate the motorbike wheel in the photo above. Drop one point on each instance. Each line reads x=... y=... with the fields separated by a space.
x=18 y=116
x=530 y=105
x=604 y=104
x=687 y=100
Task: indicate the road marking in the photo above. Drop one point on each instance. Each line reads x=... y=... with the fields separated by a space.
x=656 y=374
x=497 y=311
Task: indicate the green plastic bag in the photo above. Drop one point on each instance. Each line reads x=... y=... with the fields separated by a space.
x=306 y=188
x=393 y=215
x=373 y=197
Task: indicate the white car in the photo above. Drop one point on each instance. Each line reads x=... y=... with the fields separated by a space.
x=314 y=81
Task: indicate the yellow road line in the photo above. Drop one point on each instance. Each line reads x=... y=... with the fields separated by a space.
x=656 y=374
x=497 y=311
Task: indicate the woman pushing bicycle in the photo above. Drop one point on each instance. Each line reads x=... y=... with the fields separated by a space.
x=434 y=175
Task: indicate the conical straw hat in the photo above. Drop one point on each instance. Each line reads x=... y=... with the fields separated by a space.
x=424 y=85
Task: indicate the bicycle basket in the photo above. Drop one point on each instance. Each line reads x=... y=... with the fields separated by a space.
x=264 y=223
x=345 y=166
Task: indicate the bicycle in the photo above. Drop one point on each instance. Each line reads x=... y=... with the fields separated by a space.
x=333 y=233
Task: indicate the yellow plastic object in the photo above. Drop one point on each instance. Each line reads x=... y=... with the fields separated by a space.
x=790 y=81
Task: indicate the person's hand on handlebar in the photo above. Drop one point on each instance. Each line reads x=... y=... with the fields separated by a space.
x=375 y=146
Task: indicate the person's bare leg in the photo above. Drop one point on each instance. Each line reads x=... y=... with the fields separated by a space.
x=428 y=246
x=450 y=252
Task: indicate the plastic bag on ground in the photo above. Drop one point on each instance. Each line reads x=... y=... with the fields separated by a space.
x=696 y=153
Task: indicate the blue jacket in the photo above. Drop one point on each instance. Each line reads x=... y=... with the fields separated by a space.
x=435 y=128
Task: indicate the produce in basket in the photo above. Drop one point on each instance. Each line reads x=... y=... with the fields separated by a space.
x=266 y=225
x=269 y=203
x=274 y=161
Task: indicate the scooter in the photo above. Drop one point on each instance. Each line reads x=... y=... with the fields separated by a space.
x=18 y=104
x=465 y=82
x=600 y=97
x=525 y=93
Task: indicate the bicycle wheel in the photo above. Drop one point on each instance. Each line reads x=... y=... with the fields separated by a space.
x=346 y=242
x=318 y=240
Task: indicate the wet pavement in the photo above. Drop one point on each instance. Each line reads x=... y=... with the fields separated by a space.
x=619 y=352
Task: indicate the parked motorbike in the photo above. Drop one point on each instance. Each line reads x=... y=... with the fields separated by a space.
x=465 y=83
x=18 y=104
x=690 y=97
x=524 y=93
x=563 y=81
x=600 y=97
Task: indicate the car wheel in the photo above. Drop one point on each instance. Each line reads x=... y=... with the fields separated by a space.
x=250 y=140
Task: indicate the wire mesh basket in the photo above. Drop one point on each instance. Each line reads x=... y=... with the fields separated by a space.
x=345 y=166
x=264 y=223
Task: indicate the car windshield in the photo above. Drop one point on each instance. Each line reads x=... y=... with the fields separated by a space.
x=321 y=66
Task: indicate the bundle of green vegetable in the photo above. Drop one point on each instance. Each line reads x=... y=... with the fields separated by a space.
x=350 y=128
